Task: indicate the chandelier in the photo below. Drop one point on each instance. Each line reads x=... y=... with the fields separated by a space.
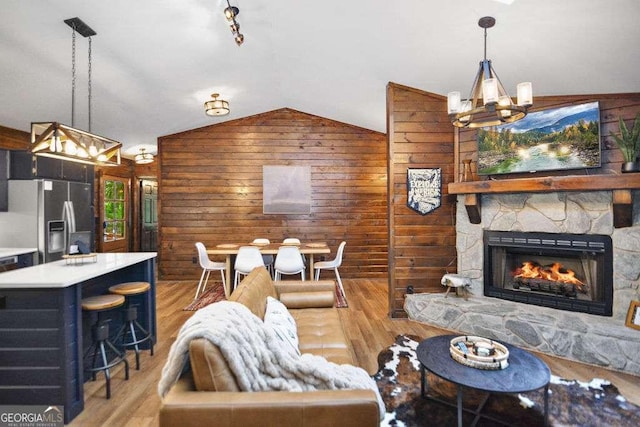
x=53 y=139
x=216 y=107
x=231 y=12
x=488 y=104
x=143 y=158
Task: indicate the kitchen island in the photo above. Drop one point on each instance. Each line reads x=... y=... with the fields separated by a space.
x=43 y=331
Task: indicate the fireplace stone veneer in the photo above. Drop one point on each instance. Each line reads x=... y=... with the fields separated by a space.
x=589 y=338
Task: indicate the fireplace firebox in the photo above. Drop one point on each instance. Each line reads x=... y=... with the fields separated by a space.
x=571 y=272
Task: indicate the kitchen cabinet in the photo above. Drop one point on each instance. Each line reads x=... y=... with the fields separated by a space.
x=24 y=165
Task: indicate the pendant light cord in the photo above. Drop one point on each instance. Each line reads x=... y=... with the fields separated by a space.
x=73 y=79
x=89 y=100
x=485 y=44
x=73 y=76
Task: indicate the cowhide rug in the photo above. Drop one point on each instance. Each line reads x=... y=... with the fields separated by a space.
x=571 y=403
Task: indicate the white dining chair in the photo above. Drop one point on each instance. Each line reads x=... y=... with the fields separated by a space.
x=288 y=261
x=291 y=241
x=267 y=258
x=332 y=265
x=296 y=242
x=248 y=258
x=207 y=267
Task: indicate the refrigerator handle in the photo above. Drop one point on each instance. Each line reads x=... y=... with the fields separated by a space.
x=72 y=218
x=68 y=217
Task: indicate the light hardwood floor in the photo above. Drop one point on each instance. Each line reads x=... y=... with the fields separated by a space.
x=136 y=403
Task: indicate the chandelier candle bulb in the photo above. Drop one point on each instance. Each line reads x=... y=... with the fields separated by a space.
x=453 y=102
x=525 y=94
x=504 y=101
x=465 y=106
x=490 y=91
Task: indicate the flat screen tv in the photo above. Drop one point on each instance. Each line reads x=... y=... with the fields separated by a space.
x=553 y=139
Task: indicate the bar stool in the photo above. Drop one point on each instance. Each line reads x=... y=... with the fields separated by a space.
x=127 y=332
x=100 y=336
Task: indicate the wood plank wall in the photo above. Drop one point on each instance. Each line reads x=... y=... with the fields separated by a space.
x=210 y=189
x=612 y=106
x=421 y=247
x=13 y=139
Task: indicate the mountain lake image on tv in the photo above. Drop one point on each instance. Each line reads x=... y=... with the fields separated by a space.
x=552 y=139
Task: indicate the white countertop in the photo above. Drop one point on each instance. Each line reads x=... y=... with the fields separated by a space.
x=8 y=252
x=60 y=274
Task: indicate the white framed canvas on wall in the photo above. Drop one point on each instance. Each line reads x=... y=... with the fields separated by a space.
x=286 y=189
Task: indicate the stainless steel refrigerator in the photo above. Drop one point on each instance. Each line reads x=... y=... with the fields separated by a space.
x=50 y=215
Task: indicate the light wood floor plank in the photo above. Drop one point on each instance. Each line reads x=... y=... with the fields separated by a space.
x=136 y=403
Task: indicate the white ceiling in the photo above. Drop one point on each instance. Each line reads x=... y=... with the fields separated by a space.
x=155 y=62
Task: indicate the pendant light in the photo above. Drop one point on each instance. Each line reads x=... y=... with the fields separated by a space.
x=53 y=139
x=489 y=104
x=216 y=107
x=143 y=158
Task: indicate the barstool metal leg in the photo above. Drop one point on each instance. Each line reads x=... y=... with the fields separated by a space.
x=128 y=329
x=100 y=336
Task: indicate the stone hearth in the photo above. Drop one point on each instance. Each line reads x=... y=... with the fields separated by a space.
x=599 y=340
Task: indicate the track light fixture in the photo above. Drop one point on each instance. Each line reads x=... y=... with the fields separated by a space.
x=231 y=12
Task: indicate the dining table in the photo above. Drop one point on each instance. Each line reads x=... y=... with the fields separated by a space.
x=229 y=250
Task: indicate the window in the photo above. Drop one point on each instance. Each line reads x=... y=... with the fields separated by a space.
x=115 y=209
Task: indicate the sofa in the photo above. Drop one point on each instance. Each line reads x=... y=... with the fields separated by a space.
x=207 y=392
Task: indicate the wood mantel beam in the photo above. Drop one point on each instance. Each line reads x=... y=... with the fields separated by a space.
x=620 y=185
x=549 y=183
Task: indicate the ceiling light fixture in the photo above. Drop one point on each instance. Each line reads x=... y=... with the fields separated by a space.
x=488 y=104
x=231 y=12
x=143 y=158
x=53 y=139
x=216 y=107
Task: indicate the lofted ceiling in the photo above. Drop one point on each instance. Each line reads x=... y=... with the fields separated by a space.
x=155 y=62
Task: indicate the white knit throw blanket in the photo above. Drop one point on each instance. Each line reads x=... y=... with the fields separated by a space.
x=256 y=357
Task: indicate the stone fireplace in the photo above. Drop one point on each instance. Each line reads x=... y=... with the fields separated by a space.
x=595 y=335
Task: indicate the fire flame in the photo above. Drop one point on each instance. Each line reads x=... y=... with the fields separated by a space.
x=554 y=273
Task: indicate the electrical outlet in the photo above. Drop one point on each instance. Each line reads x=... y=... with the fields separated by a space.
x=194 y=260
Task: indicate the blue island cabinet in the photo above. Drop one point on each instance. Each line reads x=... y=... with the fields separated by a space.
x=43 y=331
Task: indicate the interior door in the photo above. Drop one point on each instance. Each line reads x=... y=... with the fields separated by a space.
x=115 y=214
x=149 y=214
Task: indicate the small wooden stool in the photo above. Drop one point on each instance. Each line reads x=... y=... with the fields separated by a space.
x=100 y=335
x=457 y=282
x=127 y=332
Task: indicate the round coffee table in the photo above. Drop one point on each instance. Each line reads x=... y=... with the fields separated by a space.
x=525 y=372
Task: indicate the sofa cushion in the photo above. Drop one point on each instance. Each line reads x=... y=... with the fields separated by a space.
x=254 y=290
x=278 y=318
x=320 y=332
